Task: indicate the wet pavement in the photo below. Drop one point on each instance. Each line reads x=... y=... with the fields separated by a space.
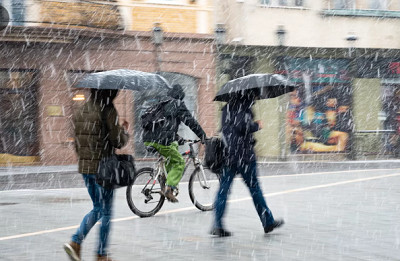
x=331 y=213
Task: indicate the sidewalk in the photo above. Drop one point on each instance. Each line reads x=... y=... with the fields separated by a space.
x=47 y=177
x=73 y=169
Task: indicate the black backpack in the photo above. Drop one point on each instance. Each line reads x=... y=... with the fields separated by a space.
x=214 y=154
x=154 y=116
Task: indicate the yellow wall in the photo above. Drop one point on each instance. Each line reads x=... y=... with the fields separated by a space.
x=172 y=20
x=80 y=14
x=268 y=141
x=367 y=102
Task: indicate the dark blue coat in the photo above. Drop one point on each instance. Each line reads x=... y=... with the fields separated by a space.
x=238 y=127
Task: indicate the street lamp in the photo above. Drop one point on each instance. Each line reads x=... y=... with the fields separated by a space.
x=280 y=34
x=281 y=37
x=220 y=34
x=157 y=41
x=351 y=40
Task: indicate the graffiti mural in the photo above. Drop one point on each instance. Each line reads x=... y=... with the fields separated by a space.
x=319 y=116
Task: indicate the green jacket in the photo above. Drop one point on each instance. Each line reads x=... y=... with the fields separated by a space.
x=90 y=143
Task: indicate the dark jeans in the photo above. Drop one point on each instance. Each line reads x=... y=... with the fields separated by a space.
x=249 y=174
x=102 y=207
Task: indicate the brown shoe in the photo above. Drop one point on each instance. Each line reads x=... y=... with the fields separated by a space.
x=169 y=194
x=73 y=250
x=104 y=258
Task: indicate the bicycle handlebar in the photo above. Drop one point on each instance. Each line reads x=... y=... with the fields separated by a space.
x=191 y=141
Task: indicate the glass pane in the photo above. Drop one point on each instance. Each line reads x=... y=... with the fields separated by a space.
x=18 y=113
x=298 y=2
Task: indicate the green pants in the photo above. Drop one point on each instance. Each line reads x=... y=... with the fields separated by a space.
x=175 y=163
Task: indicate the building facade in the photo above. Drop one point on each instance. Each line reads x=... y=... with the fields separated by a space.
x=344 y=56
x=55 y=44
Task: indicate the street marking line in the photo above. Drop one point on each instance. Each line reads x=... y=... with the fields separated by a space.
x=192 y=208
x=326 y=173
x=260 y=177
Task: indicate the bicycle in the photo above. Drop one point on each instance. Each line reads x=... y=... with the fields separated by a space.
x=145 y=197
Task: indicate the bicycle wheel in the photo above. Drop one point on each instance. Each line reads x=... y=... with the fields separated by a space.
x=144 y=198
x=203 y=197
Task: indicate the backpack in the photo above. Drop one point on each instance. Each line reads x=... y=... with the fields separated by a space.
x=214 y=154
x=154 y=116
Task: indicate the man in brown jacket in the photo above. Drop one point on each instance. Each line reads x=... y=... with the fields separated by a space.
x=91 y=146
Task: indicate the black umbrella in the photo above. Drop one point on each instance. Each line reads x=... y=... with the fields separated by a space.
x=269 y=85
x=124 y=79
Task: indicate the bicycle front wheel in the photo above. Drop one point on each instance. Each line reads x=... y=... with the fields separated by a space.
x=144 y=194
x=203 y=189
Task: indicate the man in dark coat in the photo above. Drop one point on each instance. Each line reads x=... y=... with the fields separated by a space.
x=238 y=127
x=91 y=146
x=164 y=137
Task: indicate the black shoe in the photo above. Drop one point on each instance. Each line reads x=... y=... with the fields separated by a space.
x=277 y=223
x=220 y=232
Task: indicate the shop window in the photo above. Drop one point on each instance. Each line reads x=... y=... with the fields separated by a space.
x=319 y=115
x=390 y=117
x=391 y=107
x=16 y=10
x=18 y=113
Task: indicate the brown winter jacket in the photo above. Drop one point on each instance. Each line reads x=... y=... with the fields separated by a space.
x=90 y=143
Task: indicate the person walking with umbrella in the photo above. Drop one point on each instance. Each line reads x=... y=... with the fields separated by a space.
x=238 y=126
x=92 y=144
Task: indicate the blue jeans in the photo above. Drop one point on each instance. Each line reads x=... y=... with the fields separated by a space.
x=249 y=174
x=102 y=207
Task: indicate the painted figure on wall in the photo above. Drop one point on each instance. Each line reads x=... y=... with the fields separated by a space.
x=319 y=115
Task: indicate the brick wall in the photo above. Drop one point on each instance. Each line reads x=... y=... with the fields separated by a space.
x=192 y=55
x=80 y=14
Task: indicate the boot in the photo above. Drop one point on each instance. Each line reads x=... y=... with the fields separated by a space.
x=277 y=223
x=104 y=258
x=220 y=232
x=73 y=250
x=169 y=194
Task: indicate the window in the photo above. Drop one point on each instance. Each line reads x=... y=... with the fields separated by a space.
x=18 y=113
x=344 y=4
x=16 y=10
x=297 y=3
x=283 y=2
x=378 y=4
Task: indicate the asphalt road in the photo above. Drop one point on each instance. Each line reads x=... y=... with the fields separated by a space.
x=331 y=213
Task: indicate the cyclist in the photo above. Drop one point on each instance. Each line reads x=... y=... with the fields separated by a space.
x=160 y=132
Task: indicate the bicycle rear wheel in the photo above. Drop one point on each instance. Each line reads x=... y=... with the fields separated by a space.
x=144 y=195
x=203 y=197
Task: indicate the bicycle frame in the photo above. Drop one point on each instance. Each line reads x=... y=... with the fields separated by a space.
x=191 y=156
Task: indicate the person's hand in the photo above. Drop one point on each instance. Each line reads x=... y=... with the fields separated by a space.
x=181 y=141
x=260 y=124
x=125 y=125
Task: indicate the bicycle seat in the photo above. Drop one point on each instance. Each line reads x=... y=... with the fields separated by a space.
x=151 y=149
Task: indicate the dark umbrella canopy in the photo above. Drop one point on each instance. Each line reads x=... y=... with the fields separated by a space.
x=124 y=79
x=268 y=86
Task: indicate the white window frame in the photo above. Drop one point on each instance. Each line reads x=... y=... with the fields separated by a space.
x=167 y=2
x=343 y=4
x=282 y=3
x=378 y=4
